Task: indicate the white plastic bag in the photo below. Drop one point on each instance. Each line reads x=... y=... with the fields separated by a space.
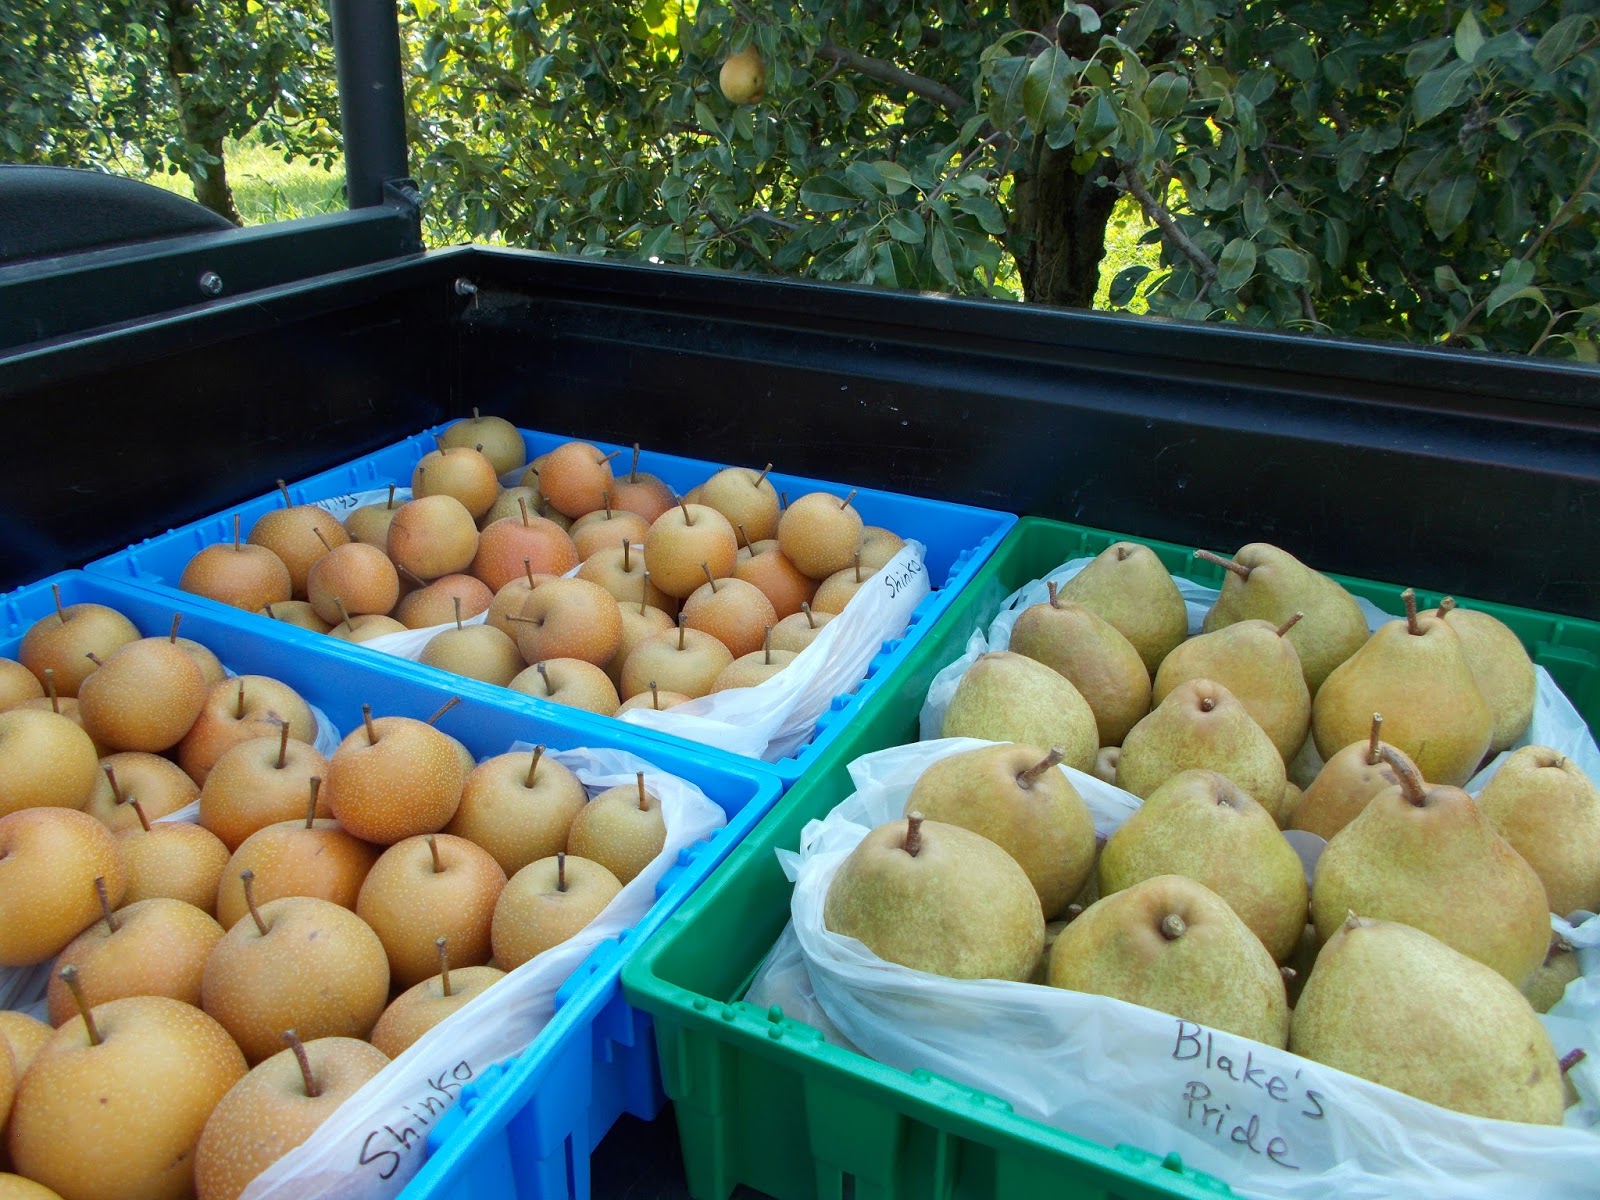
x=372 y=1146
x=1268 y=1122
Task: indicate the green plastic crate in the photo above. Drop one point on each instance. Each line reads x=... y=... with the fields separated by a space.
x=763 y=1101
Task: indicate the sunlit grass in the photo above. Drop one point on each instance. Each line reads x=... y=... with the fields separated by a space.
x=265 y=188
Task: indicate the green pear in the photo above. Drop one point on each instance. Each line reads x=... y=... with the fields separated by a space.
x=1265 y=583
x=1548 y=983
x=1201 y=825
x=1105 y=764
x=1396 y=1006
x=1549 y=811
x=1008 y=697
x=1298 y=969
x=1257 y=663
x=1501 y=668
x=938 y=898
x=1127 y=586
x=1292 y=796
x=1414 y=672
x=1015 y=796
x=1346 y=784
x=1201 y=726
x=1303 y=767
x=1428 y=856
x=1100 y=662
x=1174 y=945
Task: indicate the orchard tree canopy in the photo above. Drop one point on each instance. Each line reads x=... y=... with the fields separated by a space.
x=1407 y=170
x=1416 y=170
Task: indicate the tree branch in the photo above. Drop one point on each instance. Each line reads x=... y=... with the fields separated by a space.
x=739 y=239
x=887 y=72
x=1168 y=225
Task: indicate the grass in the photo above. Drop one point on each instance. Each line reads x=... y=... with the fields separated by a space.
x=266 y=189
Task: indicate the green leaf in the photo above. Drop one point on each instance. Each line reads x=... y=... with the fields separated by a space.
x=1046 y=90
x=866 y=183
x=1236 y=264
x=1469 y=37
x=1167 y=94
x=825 y=193
x=1088 y=19
x=1099 y=120
x=989 y=215
x=942 y=262
x=1441 y=88
x=1297 y=59
x=1448 y=203
x=1514 y=277
x=896 y=178
x=907 y=225
x=1335 y=242
x=1447 y=281
x=1288 y=265
x=1126 y=284
x=1425 y=56
x=1561 y=40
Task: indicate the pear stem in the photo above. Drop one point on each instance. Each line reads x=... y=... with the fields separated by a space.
x=238 y=708
x=605 y=458
x=1025 y=779
x=105 y=903
x=283 y=488
x=783 y=501
x=527 y=569
x=549 y=688
x=1207 y=703
x=1227 y=564
x=655 y=696
x=858 y=566
x=61 y=613
x=1411 y=785
x=236 y=538
x=313 y=1089
x=456 y=600
x=805 y=607
x=1410 y=598
x=366 y=720
x=1172 y=927
x=390 y=502
x=433 y=850
x=633 y=470
x=762 y=478
x=605 y=497
x=1372 y=740
x=561 y=871
x=1290 y=623
x=644 y=593
x=343 y=612
x=710 y=578
x=311 y=802
x=321 y=537
x=1572 y=1058
x=444 y=708
x=745 y=538
x=681 y=635
x=247 y=877
x=283 y=746
x=267 y=608
x=1289 y=974
x=138 y=811
x=643 y=795
x=538 y=753
x=766 y=646
x=687 y=519
x=94 y=658
x=50 y=689
x=111 y=778
x=444 y=966
x=69 y=976
x=172 y=636
x=522 y=503
x=627 y=556
x=845 y=503
x=1054 y=589
x=913 y=842
x=1446 y=606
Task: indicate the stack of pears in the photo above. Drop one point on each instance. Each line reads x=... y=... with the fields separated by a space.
x=1417 y=953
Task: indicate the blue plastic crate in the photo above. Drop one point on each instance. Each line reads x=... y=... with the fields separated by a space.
x=959 y=540
x=597 y=1058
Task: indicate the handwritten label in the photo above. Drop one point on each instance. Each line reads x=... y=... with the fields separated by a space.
x=901 y=578
x=383 y=1147
x=1262 y=1127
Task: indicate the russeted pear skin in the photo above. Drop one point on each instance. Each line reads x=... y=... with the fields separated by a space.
x=1008 y=697
x=1257 y=663
x=1128 y=587
x=1428 y=856
x=1501 y=667
x=1412 y=671
x=1346 y=784
x=1549 y=811
x=1101 y=663
x=1174 y=945
x=1396 y=1006
x=1200 y=726
x=1548 y=983
x=1266 y=583
x=1016 y=796
x=1201 y=825
x=938 y=898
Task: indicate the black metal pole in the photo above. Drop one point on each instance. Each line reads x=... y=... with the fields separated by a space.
x=366 y=41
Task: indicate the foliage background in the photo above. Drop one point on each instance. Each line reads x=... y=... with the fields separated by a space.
x=1424 y=171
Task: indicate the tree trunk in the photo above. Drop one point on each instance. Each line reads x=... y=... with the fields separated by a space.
x=1057 y=228
x=202 y=122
